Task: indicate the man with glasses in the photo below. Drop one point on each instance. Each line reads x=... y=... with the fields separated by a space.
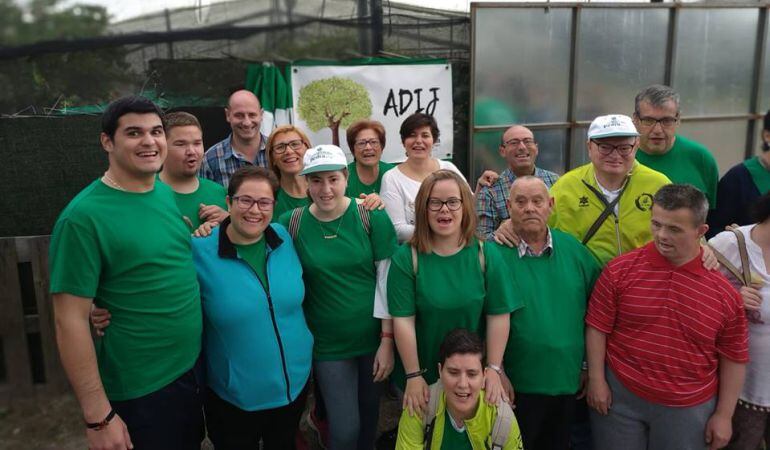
x=519 y=148
x=245 y=146
x=606 y=203
x=656 y=116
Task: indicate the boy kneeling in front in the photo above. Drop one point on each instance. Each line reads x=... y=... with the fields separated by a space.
x=458 y=417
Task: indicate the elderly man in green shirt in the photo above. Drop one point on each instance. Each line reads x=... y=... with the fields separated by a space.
x=554 y=274
x=656 y=116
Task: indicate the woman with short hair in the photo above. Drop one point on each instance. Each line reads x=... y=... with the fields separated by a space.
x=366 y=141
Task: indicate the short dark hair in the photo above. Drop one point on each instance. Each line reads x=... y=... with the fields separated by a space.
x=418 y=120
x=460 y=341
x=251 y=173
x=656 y=95
x=181 y=119
x=760 y=209
x=127 y=105
x=676 y=196
x=361 y=125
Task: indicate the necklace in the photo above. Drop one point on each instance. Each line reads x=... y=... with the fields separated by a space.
x=110 y=181
x=323 y=232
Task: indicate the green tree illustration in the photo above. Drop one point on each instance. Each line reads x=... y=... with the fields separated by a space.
x=331 y=102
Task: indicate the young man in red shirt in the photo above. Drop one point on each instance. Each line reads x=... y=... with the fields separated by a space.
x=673 y=336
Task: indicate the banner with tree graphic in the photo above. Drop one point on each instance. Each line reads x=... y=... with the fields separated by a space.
x=328 y=98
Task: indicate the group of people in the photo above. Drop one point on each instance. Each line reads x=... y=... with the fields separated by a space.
x=592 y=294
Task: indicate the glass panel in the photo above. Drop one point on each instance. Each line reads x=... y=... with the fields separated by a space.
x=522 y=68
x=486 y=156
x=715 y=59
x=726 y=140
x=579 y=155
x=612 y=70
x=764 y=102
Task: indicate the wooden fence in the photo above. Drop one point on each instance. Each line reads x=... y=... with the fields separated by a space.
x=29 y=360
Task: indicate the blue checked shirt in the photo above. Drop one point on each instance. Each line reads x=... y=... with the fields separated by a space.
x=491 y=201
x=220 y=161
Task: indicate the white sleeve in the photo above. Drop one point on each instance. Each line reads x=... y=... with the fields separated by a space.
x=395 y=206
x=381 y=290
x=448 y=165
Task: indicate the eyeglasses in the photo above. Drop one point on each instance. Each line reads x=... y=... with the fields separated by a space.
x=607 y=149
x=375 y=143
x=245 y=202
x=665 y=122
x=516 y=142
x=453 y=204
x=295 y=145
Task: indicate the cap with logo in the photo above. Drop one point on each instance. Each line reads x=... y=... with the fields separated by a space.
x=322 y=158
x=612 y=125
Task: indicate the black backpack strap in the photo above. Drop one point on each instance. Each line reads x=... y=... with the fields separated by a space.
x=296 y=214
x=609 y=208
x=365 y=219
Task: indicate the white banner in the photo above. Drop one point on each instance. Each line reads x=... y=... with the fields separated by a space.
x=326 y=95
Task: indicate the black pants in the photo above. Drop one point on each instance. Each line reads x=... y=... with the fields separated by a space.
x=545 y=420
x=170 y=418
x=231 y=428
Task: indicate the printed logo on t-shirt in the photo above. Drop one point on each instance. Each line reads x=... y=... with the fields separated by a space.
x=583 y=201
x=644 y=202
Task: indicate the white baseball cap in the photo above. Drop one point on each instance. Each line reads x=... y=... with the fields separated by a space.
x=322 y=158
x=612 y=125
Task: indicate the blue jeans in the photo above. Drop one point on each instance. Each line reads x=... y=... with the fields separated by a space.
x=352 y=401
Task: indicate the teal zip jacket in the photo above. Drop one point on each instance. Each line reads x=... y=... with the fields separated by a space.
x=257 y=345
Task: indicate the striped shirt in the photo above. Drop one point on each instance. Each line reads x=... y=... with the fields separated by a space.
x=491 y=202
x=667 y=326
x=220 y=161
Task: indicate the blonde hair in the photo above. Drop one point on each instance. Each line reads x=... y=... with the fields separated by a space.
x=423 y=235
x=283 y=129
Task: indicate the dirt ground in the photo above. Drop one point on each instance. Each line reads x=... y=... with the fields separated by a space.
x=57 y=425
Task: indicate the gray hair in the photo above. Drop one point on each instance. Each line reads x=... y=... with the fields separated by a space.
x=656 y=95
x=676 y=196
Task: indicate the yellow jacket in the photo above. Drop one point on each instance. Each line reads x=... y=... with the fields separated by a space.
x=410 y=429
x=577 y=207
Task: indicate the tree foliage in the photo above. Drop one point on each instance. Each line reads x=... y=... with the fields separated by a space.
x=333 y=102
x=63 y=78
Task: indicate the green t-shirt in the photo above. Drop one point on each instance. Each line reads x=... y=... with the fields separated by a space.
x=255 y=255
x=453 y=439
x=208 y=193
x=285 y=202
x=687 y=162
x=131 y=253
x=356 y=187
x=340 y=279
x=448 y=292
x=546 y=344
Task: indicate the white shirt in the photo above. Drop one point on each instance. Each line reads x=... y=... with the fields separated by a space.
x=756 y=389
x=398 y=192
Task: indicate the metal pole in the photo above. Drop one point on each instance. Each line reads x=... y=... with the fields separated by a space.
x=573 y=85
x=375 y=10
x=169 y=44
x=756 y=83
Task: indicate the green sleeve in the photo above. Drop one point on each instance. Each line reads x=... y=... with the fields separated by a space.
x=712 y=181
x=515 y=441
x=383 y=235
x=500 y=297
x=401 y=284
x=285 y=218
x=75 y=260
x=410 y=433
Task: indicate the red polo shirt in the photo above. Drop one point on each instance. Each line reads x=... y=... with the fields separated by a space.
x=666 y=326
